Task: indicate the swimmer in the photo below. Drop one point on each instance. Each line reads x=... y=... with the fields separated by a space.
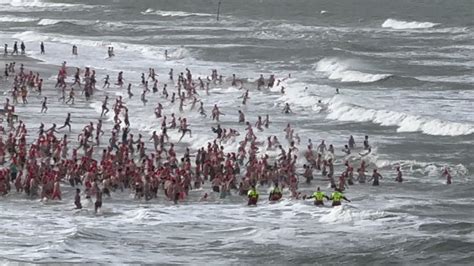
x=399 y=177
x=447 y=175
x=375 y=177
x=287 y=109
x=241 y=117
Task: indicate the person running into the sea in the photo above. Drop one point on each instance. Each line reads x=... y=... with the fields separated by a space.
x=319 y=197
x=15 y=48
x=105 y=110
x=218 y=131
x=366 y=143
x=77 y=77
x=337 y=197
x=39 y=86
x=143 y=98
x=77 y=199
x=129 y=91
x=216 y=113
x=252 y=196
x=44 y=106
x=399 y=177
x=120 y=79
x=447 y=175
x=98 y=200
x=42 y=48
x=67 y=122
x=241 y=117
x=74 y=49
x=71 y=96
x=376 y=178
x=322 y=148
x=23 y=48
x=201 y=110
x=183 y=127
x=63 y=94
x=260 y=82
x=351 y=142
x=287 y=109
x=106 y=82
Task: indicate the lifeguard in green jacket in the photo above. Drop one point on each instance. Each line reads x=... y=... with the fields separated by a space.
x=253 y=196
x=275 y=194
x=319 y=197
x=337 y=197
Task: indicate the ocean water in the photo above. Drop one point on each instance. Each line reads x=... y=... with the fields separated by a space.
x=405 y=74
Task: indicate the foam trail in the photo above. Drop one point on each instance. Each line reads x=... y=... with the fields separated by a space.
x=336 y=68
x=402 y=25
x=46 y=22
x=16 y=19
x=38 y=3
x=165 y=13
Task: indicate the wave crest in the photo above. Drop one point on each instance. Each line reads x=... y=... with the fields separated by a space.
x=340 y=69
x=165 y=13
x=342 y=111
x=402 y=25
x=16 y=19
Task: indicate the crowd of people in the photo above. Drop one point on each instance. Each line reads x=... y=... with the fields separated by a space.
x=97 y=162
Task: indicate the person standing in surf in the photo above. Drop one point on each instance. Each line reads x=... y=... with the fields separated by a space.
x=337 y=197
x=252 y=195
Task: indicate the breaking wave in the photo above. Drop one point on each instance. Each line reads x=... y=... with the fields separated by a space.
x=343 y=111
x=402 y=25
x=338 y=69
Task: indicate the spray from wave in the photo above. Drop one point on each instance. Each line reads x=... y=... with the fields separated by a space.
x=339 y=69
x=402 y=25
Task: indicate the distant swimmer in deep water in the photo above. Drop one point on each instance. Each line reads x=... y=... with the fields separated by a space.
x=448 y=176
x=399 y=177
x=287 y=109
x=337 y=197
x=319 y=197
